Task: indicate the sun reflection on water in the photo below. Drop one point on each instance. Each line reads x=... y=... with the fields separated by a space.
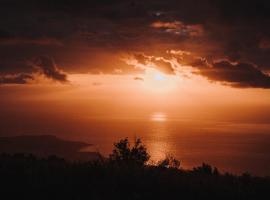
x=159 y=146
x=158 y=117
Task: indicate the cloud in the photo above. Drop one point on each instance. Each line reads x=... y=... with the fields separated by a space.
x=29 y=41
x=4 y=34
x=141 y=58
x=48 y=68
x=163 y=65
x=179 y=28
x=167 y=25
x=16 y=79
x=186 y=58
x=81 y=34
x=144 y=61
x=237 y=74
x=138 y=79
x=264 y=43
x=42 y=65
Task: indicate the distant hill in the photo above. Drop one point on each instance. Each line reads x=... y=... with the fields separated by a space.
x=46 y=145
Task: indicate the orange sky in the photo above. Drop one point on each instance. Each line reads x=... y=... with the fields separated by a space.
x=130 y=60
x=120 y=96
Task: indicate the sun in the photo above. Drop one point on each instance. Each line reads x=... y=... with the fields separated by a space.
x=159 y=77
x=157 y=81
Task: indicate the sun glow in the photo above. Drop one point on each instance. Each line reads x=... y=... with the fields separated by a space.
x=157 y=81
x=159 y=77
x=158 y=117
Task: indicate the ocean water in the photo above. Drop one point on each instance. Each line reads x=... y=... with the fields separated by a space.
x=234 y=147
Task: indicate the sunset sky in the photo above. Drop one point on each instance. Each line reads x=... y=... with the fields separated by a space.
x=147 y=60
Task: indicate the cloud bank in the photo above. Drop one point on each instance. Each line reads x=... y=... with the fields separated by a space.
x=91 y=36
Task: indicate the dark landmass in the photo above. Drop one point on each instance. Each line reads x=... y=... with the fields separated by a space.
x=46 y=145
x=124 y=175
x=26 y=177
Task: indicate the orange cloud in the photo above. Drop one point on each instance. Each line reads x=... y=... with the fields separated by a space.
x=167 y=25
x=179 y=28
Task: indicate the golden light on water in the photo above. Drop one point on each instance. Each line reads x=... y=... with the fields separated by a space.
x=159 y=145
x=158 y=117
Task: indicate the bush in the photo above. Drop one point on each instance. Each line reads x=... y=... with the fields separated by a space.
x=123 y=153
x=169 y=162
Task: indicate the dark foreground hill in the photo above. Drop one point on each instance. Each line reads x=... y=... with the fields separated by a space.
x=25 y=177
x=124 y=175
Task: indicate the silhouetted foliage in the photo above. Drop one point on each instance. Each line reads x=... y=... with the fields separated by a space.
x=123 y=153
x=27 y=177
x=204 y=169
x=169 y=162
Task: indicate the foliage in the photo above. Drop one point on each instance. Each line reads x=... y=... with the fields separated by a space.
x=29 y=177
x=123 y=153
x=169 y=162
x=206 y=169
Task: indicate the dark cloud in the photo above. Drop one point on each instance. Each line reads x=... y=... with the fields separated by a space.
x=179 y=28
x=237 y=75
x=75 y=32
x=16 y=79
x=264 y=43
x=159 y=63
x=138 y=79
x=4 y=34
x=49 y=68
x=141 y=58
x=163 y=66
x=42 y=65
x=29 y=41
x=243 y=10
x=186 y=58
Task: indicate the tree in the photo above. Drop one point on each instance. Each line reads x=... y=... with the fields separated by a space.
x=123 y=153
x=205 y=169
x=169 y=162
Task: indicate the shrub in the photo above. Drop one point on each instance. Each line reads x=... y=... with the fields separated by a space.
x=123 y=153
x=169 y=162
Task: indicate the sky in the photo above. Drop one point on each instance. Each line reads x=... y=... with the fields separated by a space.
x=122 y=59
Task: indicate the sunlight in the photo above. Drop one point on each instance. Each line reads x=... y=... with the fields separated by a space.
x=159 y=77
x=158 y=117
x=156 y=81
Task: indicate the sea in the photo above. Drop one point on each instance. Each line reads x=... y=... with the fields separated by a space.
x=231 y=146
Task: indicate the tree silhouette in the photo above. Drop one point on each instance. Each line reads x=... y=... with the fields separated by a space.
x=123 y=153
x=205 y=169
x=169 y=162
x=25 y=176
